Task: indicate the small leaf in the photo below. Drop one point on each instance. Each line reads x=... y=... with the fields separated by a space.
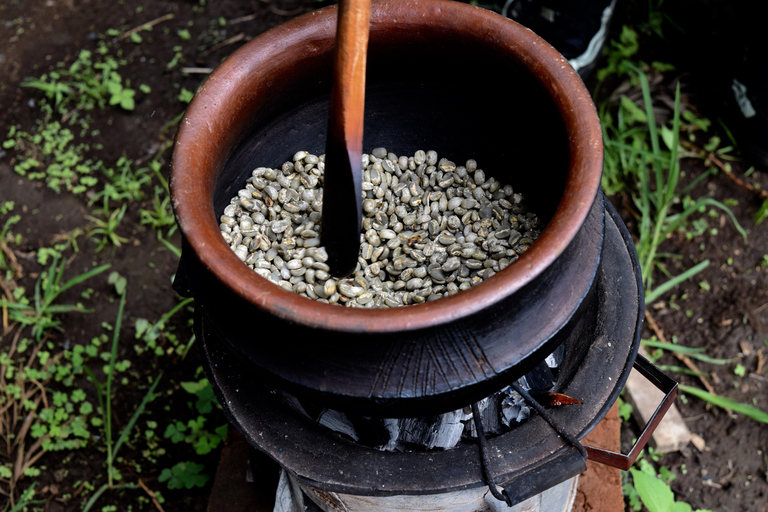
x=632 y=112
x=655 y=494
x=669 y=137
x=141 y=325
x=194 y=387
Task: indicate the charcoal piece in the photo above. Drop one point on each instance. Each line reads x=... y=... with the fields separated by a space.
x=490 y=416
x=338 y=422
x=538 y=379
x=443 y=431
x=514 y=410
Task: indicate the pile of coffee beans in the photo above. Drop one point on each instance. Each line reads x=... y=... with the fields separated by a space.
x=431 y=228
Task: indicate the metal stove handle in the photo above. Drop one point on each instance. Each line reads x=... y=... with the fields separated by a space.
x=664 y=383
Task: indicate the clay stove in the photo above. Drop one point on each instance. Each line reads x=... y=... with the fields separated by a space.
x=441 y=76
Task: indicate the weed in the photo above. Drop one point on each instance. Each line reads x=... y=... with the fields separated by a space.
x=41 y=312
x=152 y=334
x=194 y=434
x=10 y=264
x=184 y=475
x=656 y=494
x=161 y=216
x=762 y=212
x=650 y=488
x=636 y=163
x=106 y=227
x=625 y=410
x=104 y=394
x=747 y=410
x=125 y=183
x=50 y=154
x=41 y=410
x=118 y=281
x=694 y=353
x=657 y=19
x=91 y=81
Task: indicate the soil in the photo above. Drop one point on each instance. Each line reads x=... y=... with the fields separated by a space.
x=723 y=310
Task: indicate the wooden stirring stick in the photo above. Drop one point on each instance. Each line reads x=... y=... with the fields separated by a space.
x=342 y=188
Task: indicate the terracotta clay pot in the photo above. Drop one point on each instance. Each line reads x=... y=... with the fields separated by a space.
x=442 y=75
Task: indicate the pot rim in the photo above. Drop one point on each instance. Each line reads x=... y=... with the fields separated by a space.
x=203 y=145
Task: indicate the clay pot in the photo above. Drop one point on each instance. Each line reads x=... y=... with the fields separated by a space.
x=442 y=75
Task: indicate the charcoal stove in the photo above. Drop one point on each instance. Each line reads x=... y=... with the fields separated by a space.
x=441 y=76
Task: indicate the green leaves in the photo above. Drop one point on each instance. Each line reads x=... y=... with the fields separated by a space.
x=120 y=95
x=184 y=475
x=656 y=495
x=642 y=158
x=118 y=281
x=204 y=393
x=42 y=314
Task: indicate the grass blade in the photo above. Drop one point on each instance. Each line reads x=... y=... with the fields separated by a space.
x=97 y=385
x=82 y=277
x=674 y=164
x=726 y=403
x=108 y=390
x=681 y=369
x=175 y=250
x=139 y=410
x=696 y=353
x=652 y=295
x=95 y=496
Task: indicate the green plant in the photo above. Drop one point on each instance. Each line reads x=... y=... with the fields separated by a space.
x=726 y=403
x=195 y=434
x=4 y=236
x=656 y=494
x=617 y=53
x=41 y=408
x=153 y=334
x=657 y=19
x=50 y=153
x=161 y=216
x=651 y=175
x=106 y=227
x=692 y=352
x=762 y=212
x=650 y=488
x=41 y=314
x=91 y=81
x=124 y=182
x=184 y=475
x=104 y=394
x=26 y=499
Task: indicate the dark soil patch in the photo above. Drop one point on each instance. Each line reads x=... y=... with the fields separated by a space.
x=729 y=319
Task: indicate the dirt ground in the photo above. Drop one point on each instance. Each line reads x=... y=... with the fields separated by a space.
x=727 y=316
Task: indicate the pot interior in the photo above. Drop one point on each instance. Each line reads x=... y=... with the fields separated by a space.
x=457 y=97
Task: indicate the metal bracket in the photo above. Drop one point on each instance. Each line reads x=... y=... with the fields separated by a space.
x=664 y=383
x=574 y=459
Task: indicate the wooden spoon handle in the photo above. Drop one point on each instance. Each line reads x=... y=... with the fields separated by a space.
x=342 y=189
